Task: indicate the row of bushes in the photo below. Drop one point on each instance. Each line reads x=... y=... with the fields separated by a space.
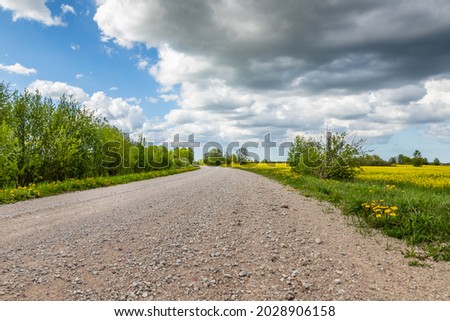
x=42 y=141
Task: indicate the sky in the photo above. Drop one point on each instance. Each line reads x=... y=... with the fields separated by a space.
x=236 y=70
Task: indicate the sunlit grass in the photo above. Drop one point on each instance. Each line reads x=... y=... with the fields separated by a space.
x=12 y=195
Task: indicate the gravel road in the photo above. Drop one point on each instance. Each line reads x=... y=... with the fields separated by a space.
x=211 y=234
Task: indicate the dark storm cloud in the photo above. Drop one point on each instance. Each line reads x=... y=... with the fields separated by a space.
x=244 y=67
x=384 y=43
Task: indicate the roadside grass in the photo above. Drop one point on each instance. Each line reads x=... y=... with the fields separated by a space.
x=12 y=195
x=417 y=214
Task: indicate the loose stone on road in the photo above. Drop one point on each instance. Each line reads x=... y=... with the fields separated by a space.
x=211 y=234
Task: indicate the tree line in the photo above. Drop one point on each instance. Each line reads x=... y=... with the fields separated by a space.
x=42 y=140
x=215 y=157
x=416 y=160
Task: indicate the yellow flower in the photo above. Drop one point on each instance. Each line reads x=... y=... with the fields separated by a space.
x=393 y=214
x=378 y=215
x=394 y=208
x=387 y=211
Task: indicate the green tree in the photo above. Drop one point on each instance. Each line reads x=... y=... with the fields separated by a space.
x=214 y=157
x=436 y=161
x=417 y=160
x=45 y=141
x=337 y=158
x=242 y=155
x=372 y=160
x=9 y=170
x=392 y=161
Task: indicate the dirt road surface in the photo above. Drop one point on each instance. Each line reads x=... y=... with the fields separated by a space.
x=211 y=234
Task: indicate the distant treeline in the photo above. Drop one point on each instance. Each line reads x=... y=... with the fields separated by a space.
x=41 y=140
x=416 y=160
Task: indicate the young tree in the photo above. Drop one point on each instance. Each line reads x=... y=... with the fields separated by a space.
x=214 y=157
x=8 y=156
x=337 y=158
x=242 y=155
x=417 y=160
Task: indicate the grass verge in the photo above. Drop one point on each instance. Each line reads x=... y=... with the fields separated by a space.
x=12 y=195
x=418 y=215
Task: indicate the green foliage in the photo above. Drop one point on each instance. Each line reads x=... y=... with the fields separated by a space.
x=231 y=159
x=374 y=160
x=417 y=159
x=182 y=157
x=8 y=156
x=214 y=157
x=402 y=159
x=242 y=155
x=41 y=141
x=335 y=159
x=11 y=195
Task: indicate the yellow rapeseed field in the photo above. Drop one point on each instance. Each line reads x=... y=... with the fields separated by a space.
x=275 y=168
x=425 y=176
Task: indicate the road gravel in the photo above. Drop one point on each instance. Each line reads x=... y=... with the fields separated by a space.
x=211 y=234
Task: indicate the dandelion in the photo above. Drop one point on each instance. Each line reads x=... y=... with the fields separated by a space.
x=394 y=208
x=392 y=214
x=387 y=211
x=379 y=216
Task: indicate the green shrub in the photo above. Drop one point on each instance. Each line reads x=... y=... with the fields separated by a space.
x=334 y=159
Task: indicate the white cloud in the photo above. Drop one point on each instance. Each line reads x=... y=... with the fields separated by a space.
x=240 y=69
x=435 y=105
x=175 y=67
x=117 y=111
x=134 y=100
x=18 y=69
x=31 y=10
x=168 y=98
x=440 y=132
x=74 y=47
x=67 y=8
x=126 y=115
x=113 y=88
x=55 y=89
x=142 y=63
x=108 y=50
x=151 y=100
x=79 y=76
